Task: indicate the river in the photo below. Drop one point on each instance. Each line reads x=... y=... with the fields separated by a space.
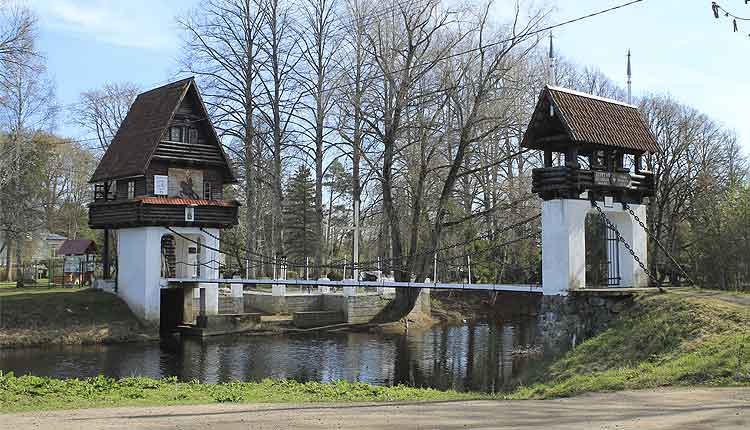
x=475 y=356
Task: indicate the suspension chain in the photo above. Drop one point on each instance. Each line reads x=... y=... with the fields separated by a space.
x=662 y=247
x=609 y=224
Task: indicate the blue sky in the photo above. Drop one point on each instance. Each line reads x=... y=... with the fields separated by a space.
x=678 y=48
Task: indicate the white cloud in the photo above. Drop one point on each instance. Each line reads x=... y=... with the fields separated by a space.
x=132 y=23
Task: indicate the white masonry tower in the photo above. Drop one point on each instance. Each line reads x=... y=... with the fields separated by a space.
x=593 y=138
x=160 y=186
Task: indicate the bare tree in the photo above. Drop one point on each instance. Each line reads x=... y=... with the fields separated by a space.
x=27 y=110
x=221 y=49
x=101 y=111
x=317 y=44
x=279 y=45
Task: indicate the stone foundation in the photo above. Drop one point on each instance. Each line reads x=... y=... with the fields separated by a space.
x=317 y=318
x=211 y=325
x=565 y=321
x=357 y=309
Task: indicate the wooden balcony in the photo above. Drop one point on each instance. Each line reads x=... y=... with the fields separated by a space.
x=161 y=211
x=564 y=182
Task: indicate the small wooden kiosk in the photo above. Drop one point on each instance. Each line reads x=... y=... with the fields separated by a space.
x=79 y=262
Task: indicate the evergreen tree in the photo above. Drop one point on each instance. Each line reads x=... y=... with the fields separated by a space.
x=299 y=216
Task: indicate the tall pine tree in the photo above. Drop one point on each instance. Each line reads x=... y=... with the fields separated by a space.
x=299 y=216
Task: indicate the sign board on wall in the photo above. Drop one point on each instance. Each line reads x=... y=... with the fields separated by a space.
x=161 y=185
x=612 y=179
x=185 y=183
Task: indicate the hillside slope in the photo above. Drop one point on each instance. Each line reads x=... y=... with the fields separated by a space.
x=65 y=316
x=674 y=339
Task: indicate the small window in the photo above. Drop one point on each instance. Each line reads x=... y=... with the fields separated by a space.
x=189 y=214
x=175 y=134
x=193 y=135
x=207 y=190
x=600 y=160
x=131 y=190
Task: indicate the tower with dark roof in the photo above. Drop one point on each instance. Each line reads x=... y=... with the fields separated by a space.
x=593 y=151
x=160 y=186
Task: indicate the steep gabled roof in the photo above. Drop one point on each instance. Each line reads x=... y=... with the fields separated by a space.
x=587 y=120
x=136 y=140
x=77 y=247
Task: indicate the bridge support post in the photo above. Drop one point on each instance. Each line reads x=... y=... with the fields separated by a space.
x=631 y=273
x=209 y=268
x=238 y=297
x=563 y=245
x=139 y=269
x=350 y=291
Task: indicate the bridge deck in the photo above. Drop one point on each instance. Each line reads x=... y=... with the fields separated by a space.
x=524 y=288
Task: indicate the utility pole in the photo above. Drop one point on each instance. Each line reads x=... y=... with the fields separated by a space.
x=355 y=259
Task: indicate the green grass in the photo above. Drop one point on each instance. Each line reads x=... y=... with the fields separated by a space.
x=28 y=393
x=40 y=315
x=674 y=339
x=13 y=291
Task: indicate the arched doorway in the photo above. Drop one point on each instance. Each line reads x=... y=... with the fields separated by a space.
x=168 y=259
x=602 y=253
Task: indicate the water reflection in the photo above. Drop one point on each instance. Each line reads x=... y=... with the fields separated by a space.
x=475 y=356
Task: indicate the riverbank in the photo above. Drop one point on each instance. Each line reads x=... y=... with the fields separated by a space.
x=680 y=338
x=40 y=315
x=726 y=409
x=677 y=339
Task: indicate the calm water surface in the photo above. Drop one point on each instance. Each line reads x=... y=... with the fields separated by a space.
x=470 y=357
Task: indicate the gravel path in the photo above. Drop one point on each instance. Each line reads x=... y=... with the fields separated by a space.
x=683 y=409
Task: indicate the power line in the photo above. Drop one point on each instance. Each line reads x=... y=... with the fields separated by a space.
x=452 y=55
x=718 y=10
x=390 y=261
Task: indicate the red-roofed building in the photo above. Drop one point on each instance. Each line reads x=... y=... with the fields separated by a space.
x=79 y=258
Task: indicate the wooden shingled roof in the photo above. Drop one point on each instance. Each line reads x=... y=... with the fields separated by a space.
x=77 y=247
x=136 y=140
x=587 y=120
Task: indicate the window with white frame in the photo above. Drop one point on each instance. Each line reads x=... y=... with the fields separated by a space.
x=131 y=190
x=189 y=213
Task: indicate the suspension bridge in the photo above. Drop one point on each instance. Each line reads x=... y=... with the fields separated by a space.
x=169 y=235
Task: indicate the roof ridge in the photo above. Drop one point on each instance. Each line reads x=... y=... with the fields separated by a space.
x=169 y=84
x=590 y=96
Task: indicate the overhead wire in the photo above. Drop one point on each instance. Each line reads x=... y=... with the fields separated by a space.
x=451 y=55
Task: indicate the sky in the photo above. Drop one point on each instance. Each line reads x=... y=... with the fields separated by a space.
x=678 y=48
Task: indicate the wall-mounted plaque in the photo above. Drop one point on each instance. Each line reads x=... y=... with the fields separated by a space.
x=612 y=179
x=161 y=185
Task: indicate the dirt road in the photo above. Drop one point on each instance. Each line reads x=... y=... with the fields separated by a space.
x=683 y=409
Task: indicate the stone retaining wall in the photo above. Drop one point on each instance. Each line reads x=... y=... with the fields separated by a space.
x=565 y=321
x=290 y=304
x=317 y=318
x=360 y=309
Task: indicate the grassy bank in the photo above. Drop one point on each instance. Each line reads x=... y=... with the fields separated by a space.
x=35 y=393
x=675 y=339
x=40 y=315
